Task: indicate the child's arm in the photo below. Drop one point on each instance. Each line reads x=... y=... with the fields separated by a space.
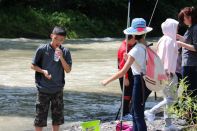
x=121 y=72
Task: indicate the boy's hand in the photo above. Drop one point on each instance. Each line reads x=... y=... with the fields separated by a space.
x=46 y=74
x=60 y=53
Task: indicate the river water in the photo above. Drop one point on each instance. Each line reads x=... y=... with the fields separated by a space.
x=84 y=97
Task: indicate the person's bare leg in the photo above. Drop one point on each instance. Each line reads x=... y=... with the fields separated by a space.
x=38 y=128
x=56 y=127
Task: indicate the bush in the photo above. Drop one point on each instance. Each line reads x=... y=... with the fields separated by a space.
x=186 y=106
x=83 y=18
x=23 y=22
x=34 y=23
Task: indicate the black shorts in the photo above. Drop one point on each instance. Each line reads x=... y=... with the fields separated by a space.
x=43 y=103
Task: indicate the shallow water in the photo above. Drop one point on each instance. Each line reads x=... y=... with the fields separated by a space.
x=84 y=97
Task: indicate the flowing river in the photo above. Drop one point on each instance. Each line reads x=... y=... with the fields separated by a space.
x=84 y=97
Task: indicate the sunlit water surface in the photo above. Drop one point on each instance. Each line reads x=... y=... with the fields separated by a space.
x=84 y=97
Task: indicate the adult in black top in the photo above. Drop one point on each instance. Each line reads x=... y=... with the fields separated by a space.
x=188 y=42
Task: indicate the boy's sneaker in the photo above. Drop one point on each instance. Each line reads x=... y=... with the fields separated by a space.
x=127 y=117
x=149 y=116
x=171 y=128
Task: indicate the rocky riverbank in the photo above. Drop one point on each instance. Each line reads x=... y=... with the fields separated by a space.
x=157 y=125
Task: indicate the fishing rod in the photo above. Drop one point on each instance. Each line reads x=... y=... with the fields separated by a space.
x=152 y=14
x=149 y=25
x=123 y=87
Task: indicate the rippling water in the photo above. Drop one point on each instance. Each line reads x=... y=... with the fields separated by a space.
x=84 y=97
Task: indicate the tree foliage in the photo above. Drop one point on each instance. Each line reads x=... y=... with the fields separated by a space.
x=110 y=15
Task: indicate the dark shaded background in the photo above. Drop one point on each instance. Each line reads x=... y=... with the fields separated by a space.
x=82 y=18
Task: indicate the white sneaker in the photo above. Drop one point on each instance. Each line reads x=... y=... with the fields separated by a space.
x=149 y=116
x=127 y=117
x=171 y=128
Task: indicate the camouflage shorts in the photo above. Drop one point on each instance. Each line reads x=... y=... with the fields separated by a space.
x=43 y=102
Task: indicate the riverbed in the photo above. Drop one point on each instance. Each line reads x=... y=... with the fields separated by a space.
x=84 y=97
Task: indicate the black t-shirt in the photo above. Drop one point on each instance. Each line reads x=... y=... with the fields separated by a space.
x=44 y=58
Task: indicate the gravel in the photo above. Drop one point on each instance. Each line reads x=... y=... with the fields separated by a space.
x=157 y=125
